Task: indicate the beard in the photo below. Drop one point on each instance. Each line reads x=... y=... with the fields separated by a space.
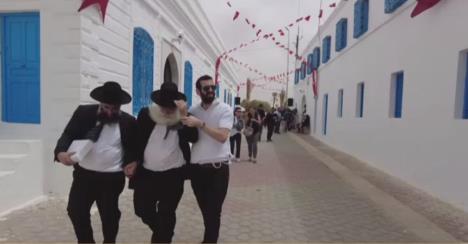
x=208 y=98
x=108 y=119
x=161 y=118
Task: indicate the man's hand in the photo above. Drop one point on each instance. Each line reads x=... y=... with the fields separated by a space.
x=192 y=121
x=65 y=158
x=129 y=169
x=182 y=106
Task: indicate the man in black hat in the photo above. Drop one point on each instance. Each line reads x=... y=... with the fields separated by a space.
x=163 y=153
x=100 y=176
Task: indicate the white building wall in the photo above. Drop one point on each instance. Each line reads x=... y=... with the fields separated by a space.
x=427 y=146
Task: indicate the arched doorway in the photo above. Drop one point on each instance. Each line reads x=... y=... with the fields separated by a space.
x=171 y=71
x=143 y=65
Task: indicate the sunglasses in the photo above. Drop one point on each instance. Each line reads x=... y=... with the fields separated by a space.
x=207 y=88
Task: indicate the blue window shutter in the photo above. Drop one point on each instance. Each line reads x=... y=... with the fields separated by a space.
x=326 y=43
x=21 y=92
x=143 y=65
x=296 y=77
x=361 y=17
x=341 y=34
x=310 y=66
x=340 y=103
x=316 y=61
x=325 y=113
x=361 y=100
x=465 y=104
x=398 y=94
x=188 y=82
x=217 y=91
x=392 y=5
x=365 y=12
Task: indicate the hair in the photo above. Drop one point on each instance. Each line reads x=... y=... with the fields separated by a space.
x=202 y=78
x=236 y=109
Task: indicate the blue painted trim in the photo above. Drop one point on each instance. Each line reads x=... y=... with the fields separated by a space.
x=310 y=61
x=316 y=61
x=142 y=86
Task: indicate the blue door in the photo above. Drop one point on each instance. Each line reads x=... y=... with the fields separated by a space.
x=21 y=68
x=143 y=53
x=188 y=82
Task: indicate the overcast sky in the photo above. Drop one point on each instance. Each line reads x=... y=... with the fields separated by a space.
x=268 y=15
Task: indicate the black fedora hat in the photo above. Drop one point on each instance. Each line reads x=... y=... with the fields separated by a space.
x=112 y=93
x=166 y=96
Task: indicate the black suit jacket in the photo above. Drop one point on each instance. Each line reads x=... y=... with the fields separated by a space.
x=145 y=127
x=84 y=119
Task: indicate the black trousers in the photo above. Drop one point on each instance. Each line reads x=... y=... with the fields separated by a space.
x=104 y=189
x=210 y=184
x=270 y=132
x=156 y=197
x=236 y=142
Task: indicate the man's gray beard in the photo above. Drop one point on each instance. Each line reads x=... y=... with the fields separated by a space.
x=161 y=119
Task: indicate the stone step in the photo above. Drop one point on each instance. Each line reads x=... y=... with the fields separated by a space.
x=10 y=162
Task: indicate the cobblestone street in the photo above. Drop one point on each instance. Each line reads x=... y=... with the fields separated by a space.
x=293 y=194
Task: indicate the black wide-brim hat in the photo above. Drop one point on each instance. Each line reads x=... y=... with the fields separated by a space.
x=166 y=96
x=111 y=93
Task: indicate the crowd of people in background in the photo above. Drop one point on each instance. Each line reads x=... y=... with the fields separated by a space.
x=250 y=124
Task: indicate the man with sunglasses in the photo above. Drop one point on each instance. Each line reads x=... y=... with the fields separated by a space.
x=210 y=155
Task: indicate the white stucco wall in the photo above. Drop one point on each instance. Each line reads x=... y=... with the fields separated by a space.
x=427 y=146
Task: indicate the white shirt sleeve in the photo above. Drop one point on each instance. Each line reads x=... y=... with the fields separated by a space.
x=227 y=119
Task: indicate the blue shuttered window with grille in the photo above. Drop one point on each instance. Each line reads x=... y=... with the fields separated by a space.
x=341 y=34
x=398 y=95
x=326 y=43
x=310 y=59
x=392 y=5
x=316 y=59
x=361 y=17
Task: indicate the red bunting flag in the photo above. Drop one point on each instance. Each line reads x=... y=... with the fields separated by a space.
x=273 y=38
x=236 y=15
x=247 y=20
x=291 y=25
x=422 y=6
x=320 y=14
x=277 y=43
x=229 y=4
x=299 y=20
x=307 y=18
x=258 y=32
x=102 y=6
x=253 y=26
x=332 y=5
